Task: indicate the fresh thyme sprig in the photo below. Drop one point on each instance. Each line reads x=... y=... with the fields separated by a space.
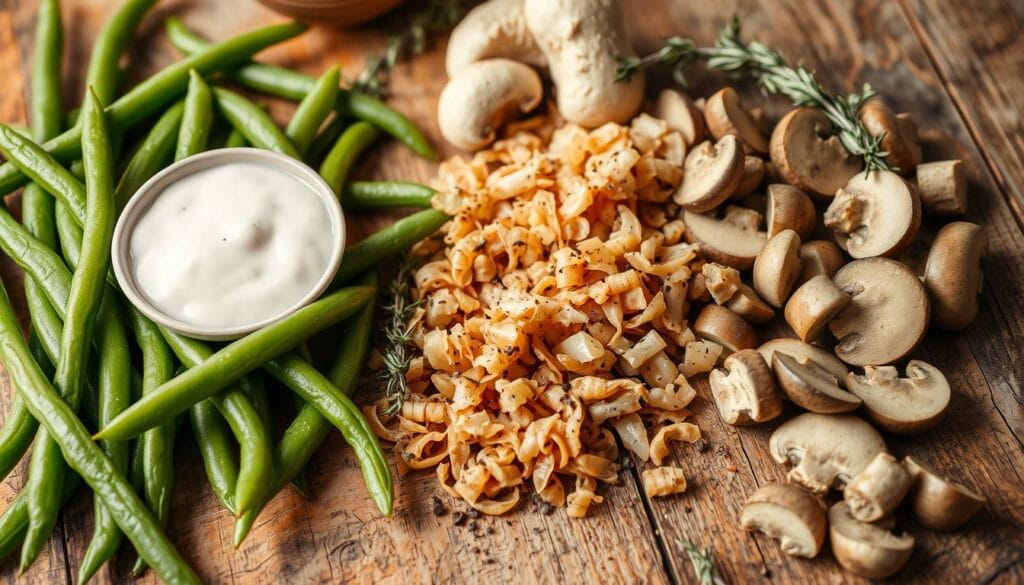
x=396 y=336
x=436 y=16
x=703 y=561
x=768 y=67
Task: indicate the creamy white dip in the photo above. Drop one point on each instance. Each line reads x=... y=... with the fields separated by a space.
x=231 y=245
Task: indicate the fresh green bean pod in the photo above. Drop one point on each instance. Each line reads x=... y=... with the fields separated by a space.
x=254 y=123
x=47 y=114
x=197 y=119
x=36 y=259
x=346 y=151
x=369 y=195
x=293 y=85
x=14 y=520
x=154 y=93
x=155 y=152
x=314 y=109
x=84 y=456
x=254 y=386
x=43 y=169
x=215 y=445
x=324 y=140
x=103 y=75
x=235 y=360
x=236 y=140
x=387 y=242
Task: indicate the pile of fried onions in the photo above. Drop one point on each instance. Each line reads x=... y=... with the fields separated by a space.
x=554 y=315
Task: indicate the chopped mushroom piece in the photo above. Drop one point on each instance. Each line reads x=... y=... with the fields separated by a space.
x=748 y=305
x=875 y=492
x=733 y=240
x=902 y=405
x=898 y=134
x=788 y=513
x=663 y=481
x=789 y=208
x=940 y=504
x=864 y=549
x=700 y=357
x=811 y=387
x=942 y=185
x=745 y=391
x=952 y=274
x=819 y=257
x=721 y=281
x=806 y=353
x=753 y=174
x=725 y=328
x=711 y=174
x=875 y=214
x=682 y=115
x=777 y=267
x=725 y=116
x=887 y=317
x=807 y=155
x=813 y=305
x=828 y=450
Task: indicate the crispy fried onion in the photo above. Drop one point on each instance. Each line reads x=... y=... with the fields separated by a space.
x=553 y=319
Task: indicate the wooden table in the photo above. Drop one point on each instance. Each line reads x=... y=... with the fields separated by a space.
x=956 y=66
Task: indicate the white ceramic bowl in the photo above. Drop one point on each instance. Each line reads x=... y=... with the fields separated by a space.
x=121 y=257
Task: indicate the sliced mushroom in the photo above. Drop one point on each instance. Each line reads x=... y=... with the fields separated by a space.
x=806 y=354
x=952 y=274
x=864 y=549
x=898 y=134
x=875 y=214
x=789 y=514
x=744 y=391
x=711 y=173
x=887 y=317
x=777 y=267
x=808 y=156
x=828 y=450
x=902 y=405
x=813 y=305
x=733 y=240
x=753 y=173
x=789 y=208
x=942 y=185
x=718 y=324
x=682 y=115
x=721 y=281
x=725 y=116
x=940 y=504
x=810 y=387
x=876 y=492
x=745 y=303
x=819 y=257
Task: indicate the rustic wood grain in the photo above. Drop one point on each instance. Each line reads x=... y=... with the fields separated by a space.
x=336 y=536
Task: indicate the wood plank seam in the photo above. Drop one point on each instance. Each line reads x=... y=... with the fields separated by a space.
x=659 y=536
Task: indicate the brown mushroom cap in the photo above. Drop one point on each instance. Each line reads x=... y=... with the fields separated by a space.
x=875 y=492
x=828 y=450
x=777 y=267
x=745 y=303
x=887 y=317
x=806 y=156
x=745 y=391
x=725 y=116
x=789 y=514
x=813 y=305
x=819 y=257
x=902 y=405
x=952 y=274
x=864 y=549
x=711 y=173
x=942 y=185
x=938 y=503
x=810 y=387
x=718 y=324
x=789 y=208
x=681 y=114
x=753 y=173
x=806 y=353
x=732 y=240
x=899 y=134
x=875 y=214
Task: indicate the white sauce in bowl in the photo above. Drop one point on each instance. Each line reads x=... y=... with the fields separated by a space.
x=231 y=245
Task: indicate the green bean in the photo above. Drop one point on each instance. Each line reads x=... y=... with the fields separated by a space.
x=314 y=109
x=324 y=140
x=154 y=154
x=254 y=123
x=87 y=286
x=387 y=242
x=46 y=65
x=36 y=259
x=197 y=118
x=309 y=428
x=293 y=85
x=255 y=389
x=236 y=140
x=154 y=93
x=103 y=73
x=14 y=521
x=44 y=170
x=214 y=440
x=235 y=360
x=346 y=151
x=385 y=194
x=84 y=456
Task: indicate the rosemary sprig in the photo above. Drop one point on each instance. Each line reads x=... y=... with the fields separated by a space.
x=768 y=67
x=396 y=336
x=703 y=561
x=436 y=16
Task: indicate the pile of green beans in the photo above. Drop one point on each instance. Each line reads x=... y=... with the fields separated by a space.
x=101 y=389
